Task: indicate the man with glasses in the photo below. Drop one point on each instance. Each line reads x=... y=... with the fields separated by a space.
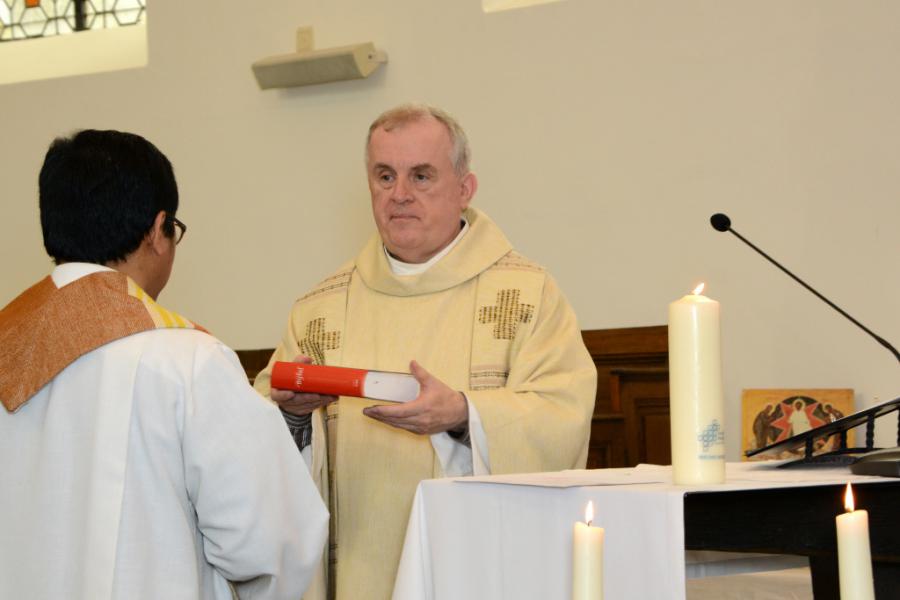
x=137 y=462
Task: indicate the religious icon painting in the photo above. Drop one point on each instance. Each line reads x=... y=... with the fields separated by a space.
x=773 y=415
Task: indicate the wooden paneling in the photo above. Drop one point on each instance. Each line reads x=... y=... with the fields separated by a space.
x=607 y=445
x=254 y=361
x=631 y=411
x=644 y=398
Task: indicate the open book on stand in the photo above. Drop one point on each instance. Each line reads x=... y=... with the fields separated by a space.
x=344 y=381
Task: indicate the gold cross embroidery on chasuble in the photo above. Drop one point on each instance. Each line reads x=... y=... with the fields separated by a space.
x=318 y=340
x=506 y=315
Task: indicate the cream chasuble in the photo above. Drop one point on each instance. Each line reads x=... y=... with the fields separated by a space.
x=484 y=320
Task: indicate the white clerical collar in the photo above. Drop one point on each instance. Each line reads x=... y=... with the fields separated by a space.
x=66 y=273
x=398 y=267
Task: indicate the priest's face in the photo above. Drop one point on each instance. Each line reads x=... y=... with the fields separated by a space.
x=417 y=195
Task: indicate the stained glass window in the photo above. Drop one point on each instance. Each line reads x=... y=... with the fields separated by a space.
x=25 y=19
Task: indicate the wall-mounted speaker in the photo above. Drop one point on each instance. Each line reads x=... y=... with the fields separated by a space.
x=309 y=67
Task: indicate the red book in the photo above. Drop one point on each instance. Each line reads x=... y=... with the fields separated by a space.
x=343 y=381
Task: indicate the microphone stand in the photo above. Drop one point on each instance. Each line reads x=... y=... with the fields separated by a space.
x=885 y=463
x=722 y=223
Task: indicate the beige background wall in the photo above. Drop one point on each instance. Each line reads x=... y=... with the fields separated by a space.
x=605 y=134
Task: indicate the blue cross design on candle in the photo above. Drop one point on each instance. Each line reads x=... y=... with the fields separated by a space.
x=711 y=436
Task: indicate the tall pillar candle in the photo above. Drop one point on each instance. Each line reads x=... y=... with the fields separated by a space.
x=854 y=554
x=587 y=558
x=695 y=391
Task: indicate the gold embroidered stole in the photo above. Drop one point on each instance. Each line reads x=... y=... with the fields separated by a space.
x=322 y=342
x=509 y=295
x=46 y=328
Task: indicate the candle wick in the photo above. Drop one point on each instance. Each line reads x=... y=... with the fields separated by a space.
x=589 y=523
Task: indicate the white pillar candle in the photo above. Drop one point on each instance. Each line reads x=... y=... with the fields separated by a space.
x=695 y=391
x=587 y=558
x=854 y=556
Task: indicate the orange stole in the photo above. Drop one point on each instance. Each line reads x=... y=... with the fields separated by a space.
x=46 y=328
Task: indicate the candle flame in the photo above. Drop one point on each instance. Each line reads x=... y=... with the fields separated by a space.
x=699 y=289
x=848 y=499
x=589 y=512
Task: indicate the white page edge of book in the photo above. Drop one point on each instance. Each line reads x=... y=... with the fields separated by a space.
x=391 y=387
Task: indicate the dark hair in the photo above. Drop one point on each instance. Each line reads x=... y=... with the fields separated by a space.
x=100 y=192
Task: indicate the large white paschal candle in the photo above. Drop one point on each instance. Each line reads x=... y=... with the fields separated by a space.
x=696 y=405
x=854 y=555
x=587 y=558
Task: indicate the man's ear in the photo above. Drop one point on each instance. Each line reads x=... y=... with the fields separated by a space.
x=468 y=187
x=157 y=239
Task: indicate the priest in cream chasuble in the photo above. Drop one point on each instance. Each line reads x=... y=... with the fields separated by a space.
x=506 y=384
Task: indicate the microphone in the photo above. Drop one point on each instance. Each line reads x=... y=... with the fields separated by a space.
x=721 y=222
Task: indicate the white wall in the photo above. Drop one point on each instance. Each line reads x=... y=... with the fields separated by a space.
x=605 y=133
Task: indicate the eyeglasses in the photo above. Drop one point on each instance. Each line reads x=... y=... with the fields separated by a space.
x=182 y=228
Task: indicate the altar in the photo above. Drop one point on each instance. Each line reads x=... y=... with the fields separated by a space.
x=511 y=536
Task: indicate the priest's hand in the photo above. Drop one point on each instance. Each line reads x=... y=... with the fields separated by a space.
x=438 y=408
x=300 y=403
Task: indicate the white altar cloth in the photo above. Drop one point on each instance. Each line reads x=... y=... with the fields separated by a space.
x=510 y=537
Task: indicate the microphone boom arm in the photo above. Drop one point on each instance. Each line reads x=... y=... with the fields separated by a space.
x=877 y=338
